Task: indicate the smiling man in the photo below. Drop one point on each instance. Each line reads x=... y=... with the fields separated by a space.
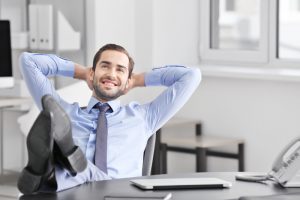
x=124 y=129
x=110 y=75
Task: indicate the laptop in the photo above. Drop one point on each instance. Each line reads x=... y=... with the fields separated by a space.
x=180 y=183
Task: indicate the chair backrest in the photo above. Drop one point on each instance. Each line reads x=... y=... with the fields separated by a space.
x=148 y=156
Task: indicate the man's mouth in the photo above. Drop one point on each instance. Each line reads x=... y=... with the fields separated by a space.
x=109 y=83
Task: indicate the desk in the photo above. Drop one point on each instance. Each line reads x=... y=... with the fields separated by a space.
x=8 y=102
x=97 y=190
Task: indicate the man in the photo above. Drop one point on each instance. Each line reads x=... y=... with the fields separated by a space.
x=128 y=126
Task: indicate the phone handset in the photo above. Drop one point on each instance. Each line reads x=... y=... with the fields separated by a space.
x=284 y=168
x=287 y=163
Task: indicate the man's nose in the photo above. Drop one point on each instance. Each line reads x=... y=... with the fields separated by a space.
x=112 y=72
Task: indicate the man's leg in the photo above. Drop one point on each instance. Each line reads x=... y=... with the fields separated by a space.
x=72 y=167
x=40 y=163
x=51 y=127
x=68 y=154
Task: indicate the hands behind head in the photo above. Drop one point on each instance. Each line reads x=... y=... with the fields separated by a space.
x=130 y=84
x=136 y=80
x=88 y=80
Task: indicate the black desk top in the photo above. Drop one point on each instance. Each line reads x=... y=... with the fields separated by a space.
x=97 y=190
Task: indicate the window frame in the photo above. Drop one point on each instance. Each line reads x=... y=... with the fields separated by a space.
x=274 y=69
x=207 y=53
x=274 y=61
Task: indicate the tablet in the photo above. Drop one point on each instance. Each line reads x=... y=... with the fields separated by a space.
x=180 y=183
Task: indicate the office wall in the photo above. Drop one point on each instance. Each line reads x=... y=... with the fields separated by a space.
x=110 y=22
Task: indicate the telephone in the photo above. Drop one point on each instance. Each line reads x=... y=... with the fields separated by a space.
x=284 y=169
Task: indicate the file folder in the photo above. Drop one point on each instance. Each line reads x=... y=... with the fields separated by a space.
x=45 y=27
x=33 y=26
x=41 y=27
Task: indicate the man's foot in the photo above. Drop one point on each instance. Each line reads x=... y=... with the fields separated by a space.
x=40 y=165
x=70 y=155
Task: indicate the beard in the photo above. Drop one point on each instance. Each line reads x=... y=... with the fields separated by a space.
x=103 y=95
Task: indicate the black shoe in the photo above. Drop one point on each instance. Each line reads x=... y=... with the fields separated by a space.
x=69 y=154
x=40 y=164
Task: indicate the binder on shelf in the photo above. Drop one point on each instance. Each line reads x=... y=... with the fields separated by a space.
x=41 y=27
x=45 y=27
x=67 y=37
x=33 y=29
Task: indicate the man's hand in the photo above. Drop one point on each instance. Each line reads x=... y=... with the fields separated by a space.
x=136 y=80
x=89 y=82
x=83 y=73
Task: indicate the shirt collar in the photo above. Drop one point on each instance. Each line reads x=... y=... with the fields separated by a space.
x=115 y=104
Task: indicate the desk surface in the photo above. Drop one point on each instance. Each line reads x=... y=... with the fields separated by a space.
x=97 y=190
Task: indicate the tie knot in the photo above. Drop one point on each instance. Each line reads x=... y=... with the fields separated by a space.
x=103 y=107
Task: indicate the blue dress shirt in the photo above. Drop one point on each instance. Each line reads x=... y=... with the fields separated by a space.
x=129 y=126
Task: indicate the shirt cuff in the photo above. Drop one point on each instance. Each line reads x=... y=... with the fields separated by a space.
x=67 y=69
x=152 y=78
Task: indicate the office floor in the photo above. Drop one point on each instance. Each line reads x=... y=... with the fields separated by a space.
x=8 y=186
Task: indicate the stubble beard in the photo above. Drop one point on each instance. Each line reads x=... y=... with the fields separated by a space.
x=102 y=95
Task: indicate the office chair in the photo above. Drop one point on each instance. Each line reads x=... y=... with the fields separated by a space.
x=148 y=156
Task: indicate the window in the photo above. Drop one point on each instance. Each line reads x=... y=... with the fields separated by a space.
x=250 y=31
x=289 y=29
x=237 y=26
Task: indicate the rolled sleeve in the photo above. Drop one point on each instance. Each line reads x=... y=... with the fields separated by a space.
x=64 y=67
x=170 y=74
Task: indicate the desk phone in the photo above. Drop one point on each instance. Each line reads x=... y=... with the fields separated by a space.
x=284 y=169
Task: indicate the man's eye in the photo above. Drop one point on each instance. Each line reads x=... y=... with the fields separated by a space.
x=121 y=70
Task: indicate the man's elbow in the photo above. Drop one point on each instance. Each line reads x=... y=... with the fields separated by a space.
x=195 y=75
x=24 y=59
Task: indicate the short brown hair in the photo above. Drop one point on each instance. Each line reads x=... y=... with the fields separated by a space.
x=114 y=47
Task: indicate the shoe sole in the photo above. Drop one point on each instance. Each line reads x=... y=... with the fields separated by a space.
x=62 y=133
x=39 y=134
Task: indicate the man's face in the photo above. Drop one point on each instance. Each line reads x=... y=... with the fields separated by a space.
x=110 y=76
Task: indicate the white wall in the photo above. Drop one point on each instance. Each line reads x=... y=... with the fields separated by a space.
x=176 y=32
x=264 y=113
x=111 y=22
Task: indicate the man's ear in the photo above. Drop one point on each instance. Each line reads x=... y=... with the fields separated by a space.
x=91 y=74
x=127 y=83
